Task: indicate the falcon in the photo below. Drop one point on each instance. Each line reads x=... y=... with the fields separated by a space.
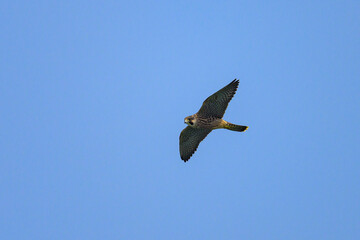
x=208 y=118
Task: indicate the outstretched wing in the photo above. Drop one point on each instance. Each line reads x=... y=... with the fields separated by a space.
x=190 y=139
x=216 y=104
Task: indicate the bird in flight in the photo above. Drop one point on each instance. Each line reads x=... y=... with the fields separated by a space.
x=208 y=118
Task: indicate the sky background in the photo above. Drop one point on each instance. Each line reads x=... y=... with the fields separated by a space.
x=93 y=95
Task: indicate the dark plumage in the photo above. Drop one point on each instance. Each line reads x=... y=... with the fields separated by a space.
x=209 y=117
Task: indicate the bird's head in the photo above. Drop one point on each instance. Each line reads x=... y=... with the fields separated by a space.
x=190 y=121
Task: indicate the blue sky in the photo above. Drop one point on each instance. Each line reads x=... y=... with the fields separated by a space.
x=93 y=97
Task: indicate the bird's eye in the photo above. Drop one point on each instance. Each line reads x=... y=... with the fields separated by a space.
x=191 y=123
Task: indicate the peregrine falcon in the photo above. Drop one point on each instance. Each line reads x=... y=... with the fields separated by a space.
x=208 y=118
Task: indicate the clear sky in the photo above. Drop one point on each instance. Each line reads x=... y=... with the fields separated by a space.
x=93 y=96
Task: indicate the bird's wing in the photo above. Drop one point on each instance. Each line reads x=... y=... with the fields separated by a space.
x=216 y=104
x=190 y=139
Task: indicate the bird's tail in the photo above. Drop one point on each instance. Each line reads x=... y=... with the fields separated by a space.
x=234 y=127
